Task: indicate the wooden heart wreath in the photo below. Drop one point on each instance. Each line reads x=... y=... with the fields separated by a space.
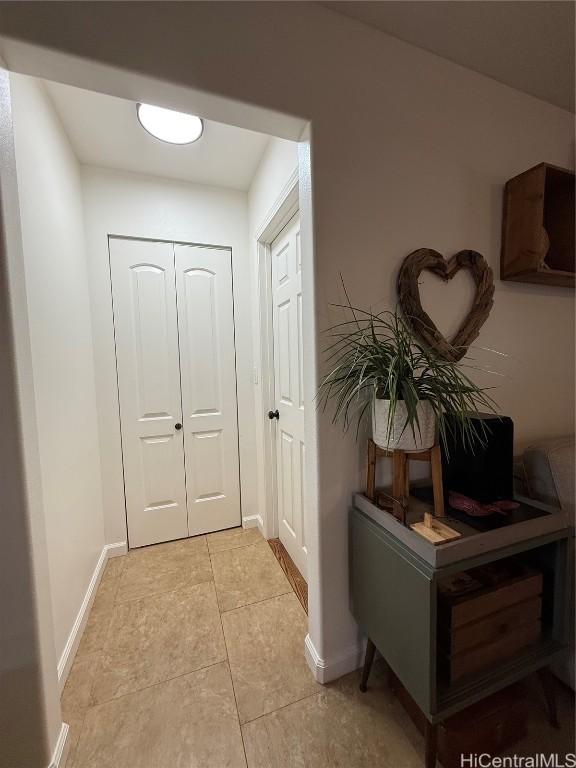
x=420 y=322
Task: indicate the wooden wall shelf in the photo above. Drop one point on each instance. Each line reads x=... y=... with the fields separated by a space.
x=538 y=227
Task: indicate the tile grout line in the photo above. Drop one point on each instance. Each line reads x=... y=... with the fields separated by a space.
x=71 y=759
x=99 y=654
x=215 y=588
x=257 y=602
x=220 y=612
x=279 y=709
x=276 y=709
x=234 y=692
x=115 y=603
x=157 y=683
x=165 y=592
x=233 y=549
x=240 y=546
x=230 y=549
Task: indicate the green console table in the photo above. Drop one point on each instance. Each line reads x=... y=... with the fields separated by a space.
x=394 y=576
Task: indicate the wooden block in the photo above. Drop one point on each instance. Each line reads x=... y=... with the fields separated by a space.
x=436 y=532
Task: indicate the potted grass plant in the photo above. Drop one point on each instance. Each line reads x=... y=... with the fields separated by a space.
x=377 y=365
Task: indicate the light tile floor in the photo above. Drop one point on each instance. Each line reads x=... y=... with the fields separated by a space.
x=193 y=657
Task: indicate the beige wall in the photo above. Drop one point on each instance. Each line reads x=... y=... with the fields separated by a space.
x=408 y=151
x=62 y=353
x=30 y=720
x=279 y=162
x=137 y=205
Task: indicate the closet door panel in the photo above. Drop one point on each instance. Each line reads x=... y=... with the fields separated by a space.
x=208 y=374
x=146 y=333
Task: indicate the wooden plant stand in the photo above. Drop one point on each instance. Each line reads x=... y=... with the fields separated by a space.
x=432 y=528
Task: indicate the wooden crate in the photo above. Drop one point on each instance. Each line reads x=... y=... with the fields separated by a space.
x=491 y=627
x=486 y=616
x=490 y=726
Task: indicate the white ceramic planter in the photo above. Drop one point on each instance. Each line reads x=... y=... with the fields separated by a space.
x=400 y=436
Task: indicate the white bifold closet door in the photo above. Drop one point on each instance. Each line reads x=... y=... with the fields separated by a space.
x=174 y=330
x=208 y=376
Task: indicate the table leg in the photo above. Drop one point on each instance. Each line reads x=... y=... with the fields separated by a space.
x=431 y=745
x=368 y=659
x=371 y=471
x=549 y=688
x=436 y=466
x=399 y=485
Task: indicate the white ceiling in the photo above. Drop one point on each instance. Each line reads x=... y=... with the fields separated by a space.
x=527 y=44
x=104 y=131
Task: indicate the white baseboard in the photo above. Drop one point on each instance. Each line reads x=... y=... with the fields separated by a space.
x=69 y=652
x=326 y=670
x=61 y=749
x=115 y=550
x=253 y=521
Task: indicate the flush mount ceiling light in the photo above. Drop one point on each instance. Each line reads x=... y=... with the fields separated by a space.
x=169 y=125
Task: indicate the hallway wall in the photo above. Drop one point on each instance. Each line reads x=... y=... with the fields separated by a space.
x=62 y=354
x=136 y=205
x=278 y=164
x=30 y=719
x=409 y=150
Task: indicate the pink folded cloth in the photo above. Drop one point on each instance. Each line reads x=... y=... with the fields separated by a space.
x=476 y=509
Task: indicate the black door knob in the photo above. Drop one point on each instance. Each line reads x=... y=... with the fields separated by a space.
x=178 y=426
x=273 y=414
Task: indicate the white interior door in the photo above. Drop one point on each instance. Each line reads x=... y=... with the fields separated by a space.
x=289 y=391
x=209 y=404
x=146 y=330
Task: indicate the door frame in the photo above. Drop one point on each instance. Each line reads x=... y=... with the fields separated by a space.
x=284 y=208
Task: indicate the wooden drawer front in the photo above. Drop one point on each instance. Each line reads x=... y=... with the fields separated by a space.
x=495 y=600
x=491 y=627
x=484 y=656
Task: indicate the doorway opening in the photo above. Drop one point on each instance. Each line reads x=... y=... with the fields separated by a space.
x=282 y=361
x=160 y=322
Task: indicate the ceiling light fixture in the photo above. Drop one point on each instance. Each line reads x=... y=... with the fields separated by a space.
x=169 y=125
